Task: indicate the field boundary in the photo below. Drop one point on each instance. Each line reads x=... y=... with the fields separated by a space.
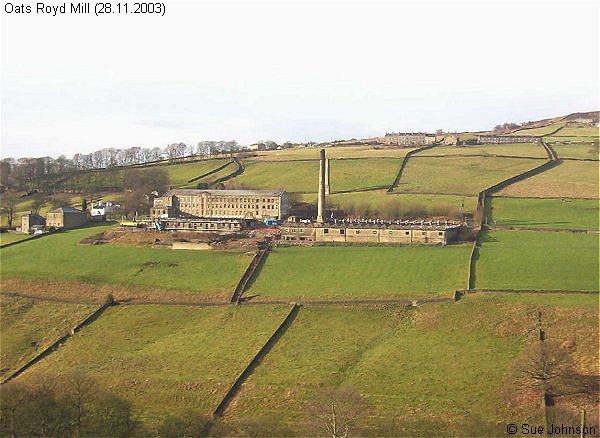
x=221 y=167
x=255 y=361
x=403 y=165
x=27 y=239
x=551 y=230
x=264 y=249
x=52 y=347
x=233 y=174
x=530 y=291
x=481 y=155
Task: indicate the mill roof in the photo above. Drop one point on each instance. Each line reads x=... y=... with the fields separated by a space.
x=191 y=192
x=66 y=210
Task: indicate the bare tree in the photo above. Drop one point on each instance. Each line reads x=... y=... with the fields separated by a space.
x=8 y=207
x=336 y=413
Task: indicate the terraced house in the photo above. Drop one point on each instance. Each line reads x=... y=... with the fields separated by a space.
x=238 y=204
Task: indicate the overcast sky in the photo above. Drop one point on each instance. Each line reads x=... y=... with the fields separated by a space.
x=290 y=71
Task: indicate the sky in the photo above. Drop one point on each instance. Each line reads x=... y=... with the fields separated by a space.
x=297 y=71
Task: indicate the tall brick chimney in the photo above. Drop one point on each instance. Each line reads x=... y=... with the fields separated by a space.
x=321 y=202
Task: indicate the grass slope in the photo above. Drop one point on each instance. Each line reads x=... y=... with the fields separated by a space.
x=362 y=272
x=537 y=260
x=293 y=176
x=579 y=130
x=28 y=326
x=570 y=179
x=360 y=174
x=60 y=257
x=333 y=152
x=12 y=237
x=544 y=130
x=580 y=150
x=459 y=175
x=577 y=214
x=515 y=149
x=423 y=368
x=166 y=359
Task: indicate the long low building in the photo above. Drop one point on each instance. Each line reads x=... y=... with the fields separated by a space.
x=386 y=233
x=235 y=204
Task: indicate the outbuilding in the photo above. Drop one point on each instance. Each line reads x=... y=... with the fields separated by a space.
x=66 y=218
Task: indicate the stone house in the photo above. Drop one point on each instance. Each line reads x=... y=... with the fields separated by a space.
x=66 y=218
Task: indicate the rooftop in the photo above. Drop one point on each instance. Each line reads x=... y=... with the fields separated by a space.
x=66 y=210
x=224 y=192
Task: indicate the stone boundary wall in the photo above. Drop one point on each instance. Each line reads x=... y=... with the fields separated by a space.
x=223 y=166
x=233 y=174
x=551 y=230
x=234 y=389
x=403 y=165
x=27 y=239
x=52 y=347
x=530 y=291
x=472 y=261
x=259 y=257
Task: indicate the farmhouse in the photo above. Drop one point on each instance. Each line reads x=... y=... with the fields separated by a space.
x=408 y=139
x=31 y=220
x=221 y=204
x=66 y=218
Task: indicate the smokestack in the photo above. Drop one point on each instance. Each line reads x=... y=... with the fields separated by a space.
x=327 y=176
x=321 y=202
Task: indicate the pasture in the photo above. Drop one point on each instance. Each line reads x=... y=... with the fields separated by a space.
x=515 y=150
x=570 y=179
x=293 y=176
x=165 y=360
x=422 y=367
x=361 y=272
x=333 y=152
x=459 y=175
x=578 y=130
x=12 y=237
x=347 y=175
x=59 y=256
x=537 y=260
x=578 y=214
x=541 y=131
x=27 y=326
x=580 y=150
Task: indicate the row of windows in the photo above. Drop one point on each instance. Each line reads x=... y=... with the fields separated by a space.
x=343 y=231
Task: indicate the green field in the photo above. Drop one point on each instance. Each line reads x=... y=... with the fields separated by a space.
x=346 y=175
x=580 y=150
x=362 y=272
x=516 y=149
x=28 y=326
x=333 y=152
x=579 y=130
x=459 y=175
x=166 y=360
x=60 y=257
x=178 y=174
x=12 y=237
x=423 y=368
x=582 y=139
x=576 y=214
x=570 y=179
x=544 y=130
x=293 y=176
x=537 y=260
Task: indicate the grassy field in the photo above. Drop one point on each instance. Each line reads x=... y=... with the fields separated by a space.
x=293 y=176
x=28 y=326
x=537 y=260
x=362 y=272
x=178 y=174
x=579 y=150
x=570 y=179
x=516 y=149
x=544 y=130
x=576 y=214
x=361 y=174
x=581 y=139
x=579 y=130
x=459 y=175
x=166 y=360
x=60 y=257
x=423 y=368
x=12 y=237
x=333 y=152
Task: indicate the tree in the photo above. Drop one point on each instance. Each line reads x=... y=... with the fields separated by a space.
x=336 y=412
x=8 y=207
x=83 y=204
